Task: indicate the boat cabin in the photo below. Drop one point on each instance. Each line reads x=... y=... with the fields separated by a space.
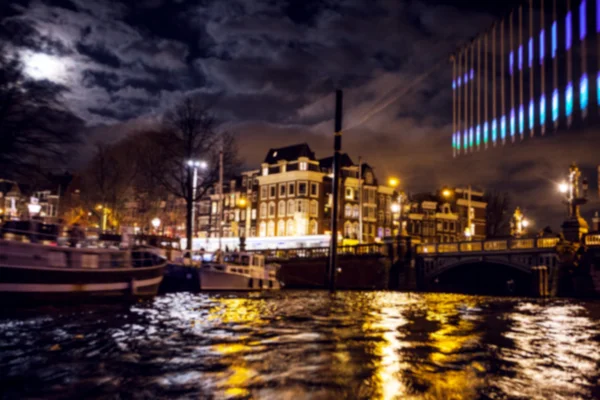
x=245 y=259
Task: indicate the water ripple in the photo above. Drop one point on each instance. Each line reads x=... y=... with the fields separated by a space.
x=294 y=345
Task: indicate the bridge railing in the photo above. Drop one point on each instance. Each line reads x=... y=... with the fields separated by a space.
x=496 y=245
x=322 y=252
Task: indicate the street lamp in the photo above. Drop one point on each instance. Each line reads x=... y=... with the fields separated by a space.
x=563 y=187
x=155 y=223
x=195 y=165
x=34 y=207
x=393 y=182
x=447 y=193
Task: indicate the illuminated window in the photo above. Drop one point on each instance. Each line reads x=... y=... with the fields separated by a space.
x=521 y=119
x=301 y=206
x=520 y=58
x=355 y=211
x=478 y=135
x=542 y=46
x=313 y=227
x=271 y=229
x=555 y=105
x=349 y=193
x=291 y=228
x=513 y=123
x=314 y=208
x=569 y=99
x=568 y=31
x=554 y=39
x=303 y=166
x=503 y=127
x=265 y=171
x=281 y=209
x=348 y=211
x=486 y=129
x=531 y=115
x=253 y=214
x=291 y=207
x=271 y=209
x=511 y=62
x=583 y=92
x=542 y=110
x=494 y=130
x=281 y=228
x=262 y=229
x=263 y=210
x=582 y=20
x=530 y=53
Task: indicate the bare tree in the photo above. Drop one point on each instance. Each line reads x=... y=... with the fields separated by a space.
x=190 y=134
x=36 y=130
x=497 y=214
x=108 y=179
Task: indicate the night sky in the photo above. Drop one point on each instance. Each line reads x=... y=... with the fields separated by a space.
x=273 y=66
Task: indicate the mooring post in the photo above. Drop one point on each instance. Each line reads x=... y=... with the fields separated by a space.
x=337 y=147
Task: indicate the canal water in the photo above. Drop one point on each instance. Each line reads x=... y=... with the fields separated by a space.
x=305 y=345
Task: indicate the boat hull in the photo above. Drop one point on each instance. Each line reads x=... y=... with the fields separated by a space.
x=223 y=281
x=22 y=283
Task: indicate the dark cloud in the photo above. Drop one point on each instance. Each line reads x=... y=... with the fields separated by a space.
x=273 y=66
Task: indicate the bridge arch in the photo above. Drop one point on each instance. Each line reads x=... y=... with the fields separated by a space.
x=480 y=276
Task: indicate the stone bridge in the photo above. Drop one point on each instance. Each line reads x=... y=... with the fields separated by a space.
x=535 y=259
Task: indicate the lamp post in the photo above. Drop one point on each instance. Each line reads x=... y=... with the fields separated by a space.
x=155 y=224
x=575 y=192
x=33 y=207
x=195 y=165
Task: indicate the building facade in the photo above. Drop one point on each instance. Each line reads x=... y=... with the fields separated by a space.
x=443 y=217
x=290 y=195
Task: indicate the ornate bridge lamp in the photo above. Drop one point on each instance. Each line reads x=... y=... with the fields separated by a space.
x=575 y=191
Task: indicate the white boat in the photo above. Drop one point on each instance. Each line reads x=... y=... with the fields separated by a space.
x=239 y=271
x=37 y=272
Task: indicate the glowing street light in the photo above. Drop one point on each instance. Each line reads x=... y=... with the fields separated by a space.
x=525 y=223
x=395 y=207
x=563 y=187
x=155 y=222
x=446 y=193
x=393 y=182
x=242 y=202
x=34 y=207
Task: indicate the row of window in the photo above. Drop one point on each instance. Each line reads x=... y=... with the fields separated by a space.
x=289 y=228
x=289 y=208
x=302 y=166
x=289 y=190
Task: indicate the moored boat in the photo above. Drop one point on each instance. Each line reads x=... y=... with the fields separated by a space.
x=32 y=272
x=239 y=271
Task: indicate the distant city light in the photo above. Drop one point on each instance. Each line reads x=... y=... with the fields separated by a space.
x=513 y=123
x=555 y=105
x=554 y=38
x=568 y=31
x=542 y=110
x=582 y=19
x=531 y=115
x=521 y=119
x=543 y=46
x=583 y=92
x=569 y=99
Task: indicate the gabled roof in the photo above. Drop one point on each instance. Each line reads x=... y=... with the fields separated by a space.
x=289 y=153
x=327 y=162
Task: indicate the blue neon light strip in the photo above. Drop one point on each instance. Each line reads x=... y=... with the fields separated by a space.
x=583 y=92
x=513 y=125
x=471 y=137
x=466 y=78
x=568 y=31
x=495 y=123
x=530 y=52
x=520 y=58
x=478 y=135
x=465 y=140
x=459 y=81
x=554 y=39
x=503 y=127
x=453 y=85
x=543 y=46
x=569 y=99
x=542 y=110
x=511 y=62
x=598 y=88
x=531 y=115
x=582 y=20
x=521 y=119
x=555 y=105
x=458 y=141
x=486 y=129
x=472 y=74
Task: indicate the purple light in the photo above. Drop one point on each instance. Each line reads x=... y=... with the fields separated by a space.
x=530 y=52
x=511 y=61
x=543 y=46
x=472 y=74
x=582 y=20
x=597 y=15
x=513 y=125
x=453 y=85
x=466 y=79
x=459 y=81
x=568 y=31
x=520 y=58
